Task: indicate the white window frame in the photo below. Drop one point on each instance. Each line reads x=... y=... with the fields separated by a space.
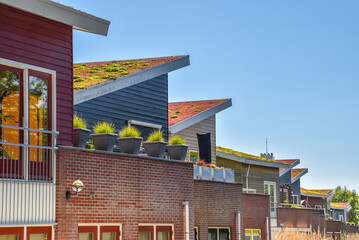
x=155 y=225
x=99 y=225
x=341 y=218
x=273 y=214
x=297 y=197
x=25 y=70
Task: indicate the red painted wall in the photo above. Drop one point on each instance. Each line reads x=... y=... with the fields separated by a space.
x=215 y=205
x=256 y=208
x=41 y=42
x=312 y=201
x=127 y=189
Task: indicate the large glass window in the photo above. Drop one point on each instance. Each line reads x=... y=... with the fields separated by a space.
x=218 y=233
x=161 y=232
x=269 y=189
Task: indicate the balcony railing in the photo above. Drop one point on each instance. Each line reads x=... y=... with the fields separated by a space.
x=27 y=175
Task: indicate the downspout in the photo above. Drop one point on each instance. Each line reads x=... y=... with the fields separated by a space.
x=186 y=205
x=239 y=225
x=267 y=221
x=247 y=184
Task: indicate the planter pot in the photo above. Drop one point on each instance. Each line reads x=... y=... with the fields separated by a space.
x=130 y=145
x=177 y=152
x=80 y=137
x=155 y=149
x=104 y=141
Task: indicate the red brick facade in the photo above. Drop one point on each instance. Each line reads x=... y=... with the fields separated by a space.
x=256 y=208
x=126 y=190
x=313 y=201
x=216 y=205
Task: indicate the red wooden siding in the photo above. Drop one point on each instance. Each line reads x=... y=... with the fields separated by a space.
x=41 y=42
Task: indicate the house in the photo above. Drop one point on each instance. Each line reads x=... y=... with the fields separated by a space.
x=36 y=98
x=317 y=198
x=260 y=176
x=290 y=181
x=126 y=92
x=340 y=211
x=188 y=119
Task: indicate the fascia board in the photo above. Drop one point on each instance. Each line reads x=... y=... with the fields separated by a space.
x=199 y=117
x=60 y=13
x=299 y=176
x=250 y=161
x=290 y=167
x=129 y=80
x=314 y=195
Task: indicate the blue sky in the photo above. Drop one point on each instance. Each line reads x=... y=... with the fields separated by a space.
x=290 y=67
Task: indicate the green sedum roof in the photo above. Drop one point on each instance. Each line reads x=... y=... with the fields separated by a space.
x=241 y=154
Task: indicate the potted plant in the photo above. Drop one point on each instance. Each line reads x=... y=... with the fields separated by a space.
x=104 y=136
x=176 y=148
x=155 y=145
x=129 y=140
x=80 y=131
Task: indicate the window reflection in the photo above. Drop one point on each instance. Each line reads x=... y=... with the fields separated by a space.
x=9 y=237
x=109 y=236
x=144 y=236
x=86 y=236
x=38 y=236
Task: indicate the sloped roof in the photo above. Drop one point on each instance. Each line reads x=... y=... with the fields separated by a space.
x=297 y=171
x=340 y=205
x=182 y=115
x=52 y=10
x=324 y=193
x=248 y=158
x=179 y=111
x=94 y=79
x=291 y=162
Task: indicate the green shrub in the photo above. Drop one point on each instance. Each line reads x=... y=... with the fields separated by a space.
x=112 y=69
x=78 y=78
x=79 y=122
x=176 y=140
x=129 y=132
x=78 y=67
x=174 y=116
x=90 y=146
x=94 y=70
x=155 y=136
x=179 y=111
x=197 y=110
x=104 y=127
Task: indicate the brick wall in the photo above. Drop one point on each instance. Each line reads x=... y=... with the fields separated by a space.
x=313 y=201
x=293 y=217
x=255 y=210
x=215 y=205
x=334 y=226
x=127 y=189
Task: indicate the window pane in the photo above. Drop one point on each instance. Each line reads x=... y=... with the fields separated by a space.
x=109 y=236
x=266 y=189
x=212 y=234
x=10 y=114
x=9 y=237
x=144 y=236
x=255 y=237
x=248 y=237
x=38 y=236
x=86 y=236
x=223 y=234
x=163 y=236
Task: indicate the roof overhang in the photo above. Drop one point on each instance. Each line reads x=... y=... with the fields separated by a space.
x=284 y=171
x=200 y=116
x=63 y=14
x=347 y=208
x=293 y=180
x=129 y=80
x=317 y=195
x=251 y=161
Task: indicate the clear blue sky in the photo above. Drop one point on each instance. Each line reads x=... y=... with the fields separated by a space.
x=290 y=67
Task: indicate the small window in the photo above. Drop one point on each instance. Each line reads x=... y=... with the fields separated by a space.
x=161 y=232
x=295 y=199
x=87 y=232
x=218 y=233
x=193 y=156
x=253 y=234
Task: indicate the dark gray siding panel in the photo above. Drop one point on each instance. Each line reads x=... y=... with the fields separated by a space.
x=286 y=178
x=146 y=101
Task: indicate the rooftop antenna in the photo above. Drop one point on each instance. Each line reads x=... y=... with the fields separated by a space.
x=266 y=146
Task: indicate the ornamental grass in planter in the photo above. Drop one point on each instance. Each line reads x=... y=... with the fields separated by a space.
x=80 y=131
x=176 y=148
x=104 y=136
x=129 y=140
x=155 y=145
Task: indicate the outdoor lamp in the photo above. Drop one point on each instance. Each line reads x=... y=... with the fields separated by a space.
x=77 y=186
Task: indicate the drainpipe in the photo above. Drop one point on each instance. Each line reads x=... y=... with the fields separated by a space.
x=186 y=204
x=239 y=225
x=267 y=221
x=249 y=167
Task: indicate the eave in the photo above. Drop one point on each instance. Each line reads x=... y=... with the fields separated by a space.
x=293 y=180
x=281 y=173
x=52 y=10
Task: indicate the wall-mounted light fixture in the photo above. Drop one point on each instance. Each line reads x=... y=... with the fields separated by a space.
x=77 y=186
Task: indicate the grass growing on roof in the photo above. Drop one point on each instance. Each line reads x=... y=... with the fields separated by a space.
x=129 y=132
x=78 y=78
x=155 y=136
x=104 y=127
x=241 y=154
x=176 y=140
x=174 y=116
x=79 y=122
x=179 y=111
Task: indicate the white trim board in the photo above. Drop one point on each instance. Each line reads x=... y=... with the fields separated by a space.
x=63 y=14
x=251 y=161
x=129 y=80
x=199 y=117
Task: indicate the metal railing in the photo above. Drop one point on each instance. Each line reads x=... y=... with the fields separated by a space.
x=27 y=175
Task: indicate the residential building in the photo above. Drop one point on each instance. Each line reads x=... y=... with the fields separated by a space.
x=340 y=211
x=317 y=198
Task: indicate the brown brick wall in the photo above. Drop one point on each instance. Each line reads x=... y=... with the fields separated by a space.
x=215 y=205
x=255 y=210
x=312 y=201
x=127 y=189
